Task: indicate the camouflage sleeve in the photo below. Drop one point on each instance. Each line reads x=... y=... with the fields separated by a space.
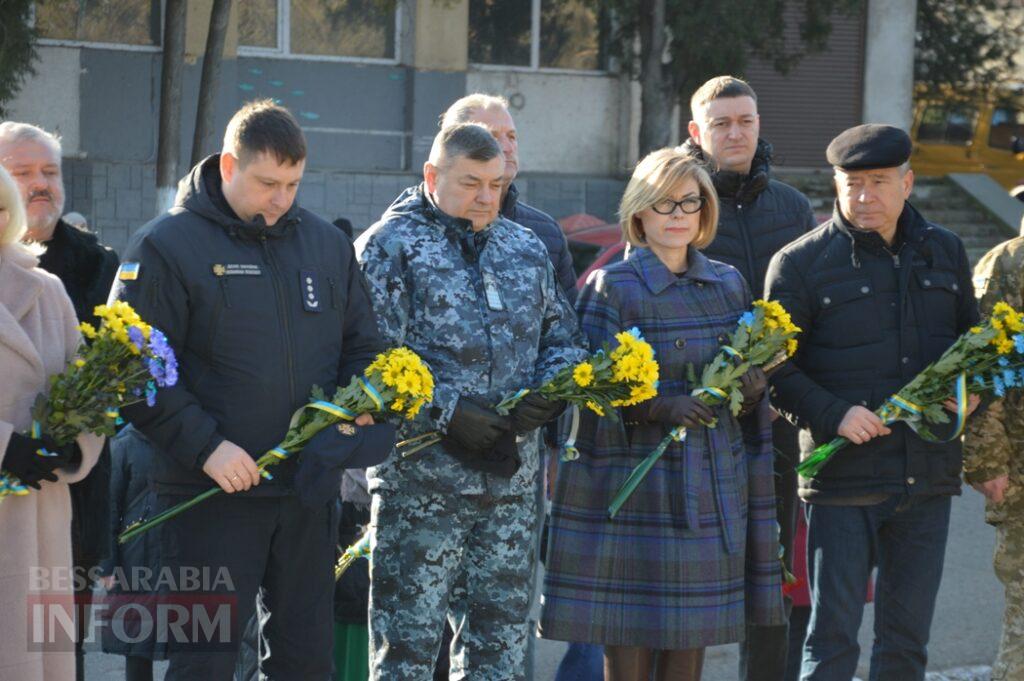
x=987 y=444
x=382 y=264
x=561 y=341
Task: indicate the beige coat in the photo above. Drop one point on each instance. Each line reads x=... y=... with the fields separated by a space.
x=38 y=335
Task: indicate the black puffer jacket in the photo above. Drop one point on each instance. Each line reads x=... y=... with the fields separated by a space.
x=872 y=317
x=257 y=316
x=757 y=216
x=550 y=232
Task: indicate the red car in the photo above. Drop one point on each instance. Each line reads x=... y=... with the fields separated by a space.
x=593 y=242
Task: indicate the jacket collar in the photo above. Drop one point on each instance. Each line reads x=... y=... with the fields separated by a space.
x=657 y=277
x=20 y=289
x=911 y=229
x=508 y=206
x=744 y=188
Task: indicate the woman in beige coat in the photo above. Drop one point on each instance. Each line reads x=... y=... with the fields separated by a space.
x=38 y=336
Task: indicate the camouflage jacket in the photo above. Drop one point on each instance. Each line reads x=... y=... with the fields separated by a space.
x=994 y=439
x=483 y=310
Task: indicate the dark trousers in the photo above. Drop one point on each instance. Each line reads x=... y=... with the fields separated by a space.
x=905 y=537
x=270 y=547
x=763 y=651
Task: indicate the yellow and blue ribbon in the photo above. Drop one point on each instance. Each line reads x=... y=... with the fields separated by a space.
x=371 y=392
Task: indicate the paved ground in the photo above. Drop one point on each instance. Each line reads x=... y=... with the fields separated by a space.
x=965 y=633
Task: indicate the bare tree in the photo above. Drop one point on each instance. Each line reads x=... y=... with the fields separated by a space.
x=219 y=15
x=169 y=141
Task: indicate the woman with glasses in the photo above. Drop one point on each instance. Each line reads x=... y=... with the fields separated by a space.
x=693 y=553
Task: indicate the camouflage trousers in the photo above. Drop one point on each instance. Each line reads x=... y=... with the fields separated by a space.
x=1009 y=566
x=470 y=556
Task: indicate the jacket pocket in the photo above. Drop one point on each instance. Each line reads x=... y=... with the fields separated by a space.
x=848 y=313
x=938 y=292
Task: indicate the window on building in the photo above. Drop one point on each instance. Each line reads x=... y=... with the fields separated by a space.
x=947 y=124
x=538 y=34
x=123 y=22
x=331 y=28
x=1007 y=123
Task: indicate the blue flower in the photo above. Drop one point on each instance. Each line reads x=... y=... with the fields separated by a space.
x=998 y=387
x=747 y=319
x=1003 y=362
x=150 y=393
x=1018 y=343
x=979 y=381
x=635 y=333
x=1010 y=378
x=135 y=336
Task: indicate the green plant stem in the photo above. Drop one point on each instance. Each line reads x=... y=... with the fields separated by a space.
x=638 y=473
x=138 y=529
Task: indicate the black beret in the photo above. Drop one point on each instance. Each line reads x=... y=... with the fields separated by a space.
x=869 y=146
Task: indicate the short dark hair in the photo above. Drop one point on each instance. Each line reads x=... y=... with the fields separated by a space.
x=262 y=126
x=469 y=140
x=720 y=87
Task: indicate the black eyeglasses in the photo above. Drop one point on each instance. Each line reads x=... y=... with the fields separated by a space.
x=689 y=205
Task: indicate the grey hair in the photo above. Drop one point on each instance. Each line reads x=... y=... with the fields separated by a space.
x=462 y=110
x=469 y=140
x=12 y=132
x=10 y=198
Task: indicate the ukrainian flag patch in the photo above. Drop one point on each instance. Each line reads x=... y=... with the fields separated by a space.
x=128 y=271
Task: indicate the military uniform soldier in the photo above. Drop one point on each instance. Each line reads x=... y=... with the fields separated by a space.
x=994 y=461
x=454 y=526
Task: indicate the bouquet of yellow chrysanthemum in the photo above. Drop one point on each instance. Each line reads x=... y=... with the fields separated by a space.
x=607 y=379
x=396 y=382
x=765 y=336
x=121 y=363
x=987 y=359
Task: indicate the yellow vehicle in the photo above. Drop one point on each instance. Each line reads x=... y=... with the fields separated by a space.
x=953 y=134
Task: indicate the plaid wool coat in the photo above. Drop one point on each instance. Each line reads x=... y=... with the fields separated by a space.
x=692 y=555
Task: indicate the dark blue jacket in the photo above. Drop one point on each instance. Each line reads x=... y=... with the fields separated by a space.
x=257 y=316
x=872 y=317
x=550 y=232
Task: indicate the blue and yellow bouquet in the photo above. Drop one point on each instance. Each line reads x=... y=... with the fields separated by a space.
x=988 y=359
x=123 y=362
x=396 y=382
x=765 y=336
x=609 y=378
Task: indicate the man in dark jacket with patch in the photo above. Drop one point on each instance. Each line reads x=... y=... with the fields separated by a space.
x=880 y=293
x=86 y=268
x=261 y=301
x=758 y=215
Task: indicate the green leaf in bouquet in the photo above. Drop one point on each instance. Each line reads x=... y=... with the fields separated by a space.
x=936 y=413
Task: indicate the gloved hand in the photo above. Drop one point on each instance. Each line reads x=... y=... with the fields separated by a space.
x=475 y=428
x=20 y=459
x=752 y=387
x=533 y=411
x=481 y=439
x=683 y=410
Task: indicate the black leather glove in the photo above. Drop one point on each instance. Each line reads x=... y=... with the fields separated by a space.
x=533 y=411
x=481 y=439
x=21 y=459
x=674 y=411
x=752 y=387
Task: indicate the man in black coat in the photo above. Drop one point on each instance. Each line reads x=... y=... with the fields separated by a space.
x=261 y=300
x=880 y=293
x=86 y=268
x=758 y=215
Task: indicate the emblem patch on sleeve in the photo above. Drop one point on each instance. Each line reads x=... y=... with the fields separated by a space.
x=128 y=271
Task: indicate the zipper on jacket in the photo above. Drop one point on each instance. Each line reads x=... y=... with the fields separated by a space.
x=334 y=296
x=282 y=309
x=748 y=251
x=224 y=292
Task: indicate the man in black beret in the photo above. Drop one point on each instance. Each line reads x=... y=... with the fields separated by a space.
x=880 y=293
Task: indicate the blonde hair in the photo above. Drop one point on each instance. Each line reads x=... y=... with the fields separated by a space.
x=462 y=110
x=653 y=180
x=10 y=198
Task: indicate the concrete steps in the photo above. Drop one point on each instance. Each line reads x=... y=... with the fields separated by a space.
x=938 y=199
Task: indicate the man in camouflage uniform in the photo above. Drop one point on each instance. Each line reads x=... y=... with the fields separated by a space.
x=994 y=461
x=453 y=525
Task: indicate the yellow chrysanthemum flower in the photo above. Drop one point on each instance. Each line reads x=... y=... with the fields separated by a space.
x=595 y=407
x=583 y=374
x=88 y=330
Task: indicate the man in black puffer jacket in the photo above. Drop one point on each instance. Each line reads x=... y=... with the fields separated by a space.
x=261 y=301
x=880 y=293
x=757 y=216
